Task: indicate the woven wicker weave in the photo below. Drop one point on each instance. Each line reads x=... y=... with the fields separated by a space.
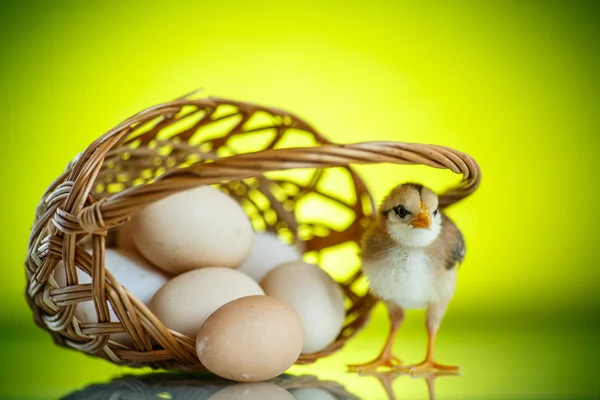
x=177 y=146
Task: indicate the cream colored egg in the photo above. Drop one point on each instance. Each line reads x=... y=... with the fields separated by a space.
x=187 y=300
x=267 y=253
x=197 y=228
x=315 y=297
x=312 y=394
x=252 y=391
x=250 y=339
x=130 y=270
x=124 y=238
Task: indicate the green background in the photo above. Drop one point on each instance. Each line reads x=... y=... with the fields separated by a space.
x=515 y=84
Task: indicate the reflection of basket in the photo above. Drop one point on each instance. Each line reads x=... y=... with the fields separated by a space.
x=180 y=145
x=191 y=387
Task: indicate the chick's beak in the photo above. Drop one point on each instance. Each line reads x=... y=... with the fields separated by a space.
x=423 y=220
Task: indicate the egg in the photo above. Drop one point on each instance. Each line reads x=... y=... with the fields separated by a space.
x=250 y=339
x=315 y=297
x=252 y=391
x=130 y=270
x=124 y=239
x=186 y=301
x=312 y=394
x=196 y=228
x=267 y=253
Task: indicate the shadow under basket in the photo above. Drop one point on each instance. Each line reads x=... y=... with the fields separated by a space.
x=180 y=145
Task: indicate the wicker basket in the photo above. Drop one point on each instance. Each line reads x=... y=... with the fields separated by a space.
x=177 y=146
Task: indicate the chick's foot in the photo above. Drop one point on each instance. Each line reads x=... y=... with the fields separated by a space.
x=388 y=361
x=429 y=366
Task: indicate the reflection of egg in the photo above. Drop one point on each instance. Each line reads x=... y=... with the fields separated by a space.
x=196 y=228
x=250 y=339
x=267 y=253
x=252 y=391
x=130 y=270
x=312 y=394
x=186 y=301
x=315 y=297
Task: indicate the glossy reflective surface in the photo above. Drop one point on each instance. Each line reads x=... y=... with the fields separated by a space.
x=505 y=357
x=206 y=386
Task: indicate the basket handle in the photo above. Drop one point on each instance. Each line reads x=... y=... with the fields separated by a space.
x=116 y=210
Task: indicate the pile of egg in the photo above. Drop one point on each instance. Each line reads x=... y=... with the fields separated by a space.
x=248 y=299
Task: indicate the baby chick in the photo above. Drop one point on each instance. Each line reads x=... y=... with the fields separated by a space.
x=409 y=254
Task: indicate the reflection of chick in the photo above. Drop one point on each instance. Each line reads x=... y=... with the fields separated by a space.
x=387 y=381
x=409 y=254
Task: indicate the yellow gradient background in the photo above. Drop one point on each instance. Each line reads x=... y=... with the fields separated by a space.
x=513 y=83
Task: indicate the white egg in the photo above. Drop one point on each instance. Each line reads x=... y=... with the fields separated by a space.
x=252 y=391
x=267 y=253
x=312 y=394
x=316 y=298
x=130 y=270
x=186 y=301
x=196 y=228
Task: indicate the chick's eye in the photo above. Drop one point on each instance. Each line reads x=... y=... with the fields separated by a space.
x=401 y=211
x=435 y=213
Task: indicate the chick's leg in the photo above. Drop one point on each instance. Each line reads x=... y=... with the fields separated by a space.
x=435 y=313
x=386 y=358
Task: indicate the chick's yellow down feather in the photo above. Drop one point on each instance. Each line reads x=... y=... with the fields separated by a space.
x=409 y=254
